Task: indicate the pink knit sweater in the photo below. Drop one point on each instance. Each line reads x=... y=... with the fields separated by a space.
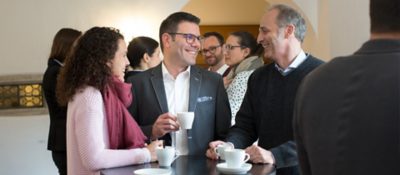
x=87 y=137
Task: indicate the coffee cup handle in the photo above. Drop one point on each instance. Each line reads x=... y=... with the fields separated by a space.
x=247 y=157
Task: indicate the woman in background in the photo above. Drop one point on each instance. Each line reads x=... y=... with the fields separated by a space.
x=241 y=55
x=100 y=131
x=62 y=44
x=143 y=53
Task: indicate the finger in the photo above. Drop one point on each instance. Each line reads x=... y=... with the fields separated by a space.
x=173 y=117
x=169 y=122
x=170 y=116
x=170 y=126
x=211 y=154
x=257 y=161
x=166 y=128
x=215 y=143
x=249 y=150
x=162 y=143
x=174 y=125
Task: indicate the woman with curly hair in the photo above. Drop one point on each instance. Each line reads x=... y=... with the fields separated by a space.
x=100 y=131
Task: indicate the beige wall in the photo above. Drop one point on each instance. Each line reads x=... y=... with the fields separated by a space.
x=27 y=27
x=338 y=27
x=348 y=25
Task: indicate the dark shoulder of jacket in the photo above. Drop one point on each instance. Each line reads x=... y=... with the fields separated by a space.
x=314 y=61
x=141 y=76
x=206 y=73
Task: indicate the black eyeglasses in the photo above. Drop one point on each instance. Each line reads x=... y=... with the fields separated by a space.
x=229 y=47
x=190 y=38
x=211 y=49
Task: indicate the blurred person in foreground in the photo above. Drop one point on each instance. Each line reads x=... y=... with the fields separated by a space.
x=347 y=114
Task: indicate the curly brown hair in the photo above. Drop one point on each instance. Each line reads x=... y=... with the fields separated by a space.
x=87 y=64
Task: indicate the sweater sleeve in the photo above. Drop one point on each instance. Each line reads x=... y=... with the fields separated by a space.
x=244 y=133
x=91 y=136
x=285 y=154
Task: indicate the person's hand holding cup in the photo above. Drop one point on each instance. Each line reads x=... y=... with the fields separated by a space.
x=152 y=147
x=220 y=149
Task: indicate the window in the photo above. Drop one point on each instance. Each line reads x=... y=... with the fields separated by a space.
x=21 y=96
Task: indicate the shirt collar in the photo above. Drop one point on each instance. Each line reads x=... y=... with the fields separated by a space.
x=58 y=62
x=300 y=58
x=166 y=73
x=221 y=70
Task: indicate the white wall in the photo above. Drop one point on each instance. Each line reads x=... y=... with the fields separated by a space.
x=23 y=146
x=27 y=27
x=349 y=25
x=335 y=27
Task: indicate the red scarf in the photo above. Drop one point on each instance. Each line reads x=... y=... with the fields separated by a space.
x=123 y=131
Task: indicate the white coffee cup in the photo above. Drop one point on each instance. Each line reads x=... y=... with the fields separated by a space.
x=165 y=156
x=220 y=149
x=236 y=157
x=185 y=119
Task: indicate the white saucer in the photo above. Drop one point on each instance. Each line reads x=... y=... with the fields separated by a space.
x=222 y=167
x=152 y=171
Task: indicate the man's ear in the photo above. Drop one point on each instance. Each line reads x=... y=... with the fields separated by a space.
x=166 y=39
x=289 y=30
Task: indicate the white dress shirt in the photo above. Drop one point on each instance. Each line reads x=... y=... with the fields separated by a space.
x=300 y=58
x=221 y=70
x=177 y=91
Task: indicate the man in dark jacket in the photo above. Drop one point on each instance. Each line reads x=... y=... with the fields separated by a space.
x=347 y=114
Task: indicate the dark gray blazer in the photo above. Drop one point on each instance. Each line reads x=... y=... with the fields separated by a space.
x=347 y=114
x=207 y=99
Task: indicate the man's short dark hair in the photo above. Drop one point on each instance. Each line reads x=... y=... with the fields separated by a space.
x=170 y=24
x=385 y=16
x=220 y=38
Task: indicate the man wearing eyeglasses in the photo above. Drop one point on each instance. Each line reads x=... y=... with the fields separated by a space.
x=177 y=85
x=212 y=52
